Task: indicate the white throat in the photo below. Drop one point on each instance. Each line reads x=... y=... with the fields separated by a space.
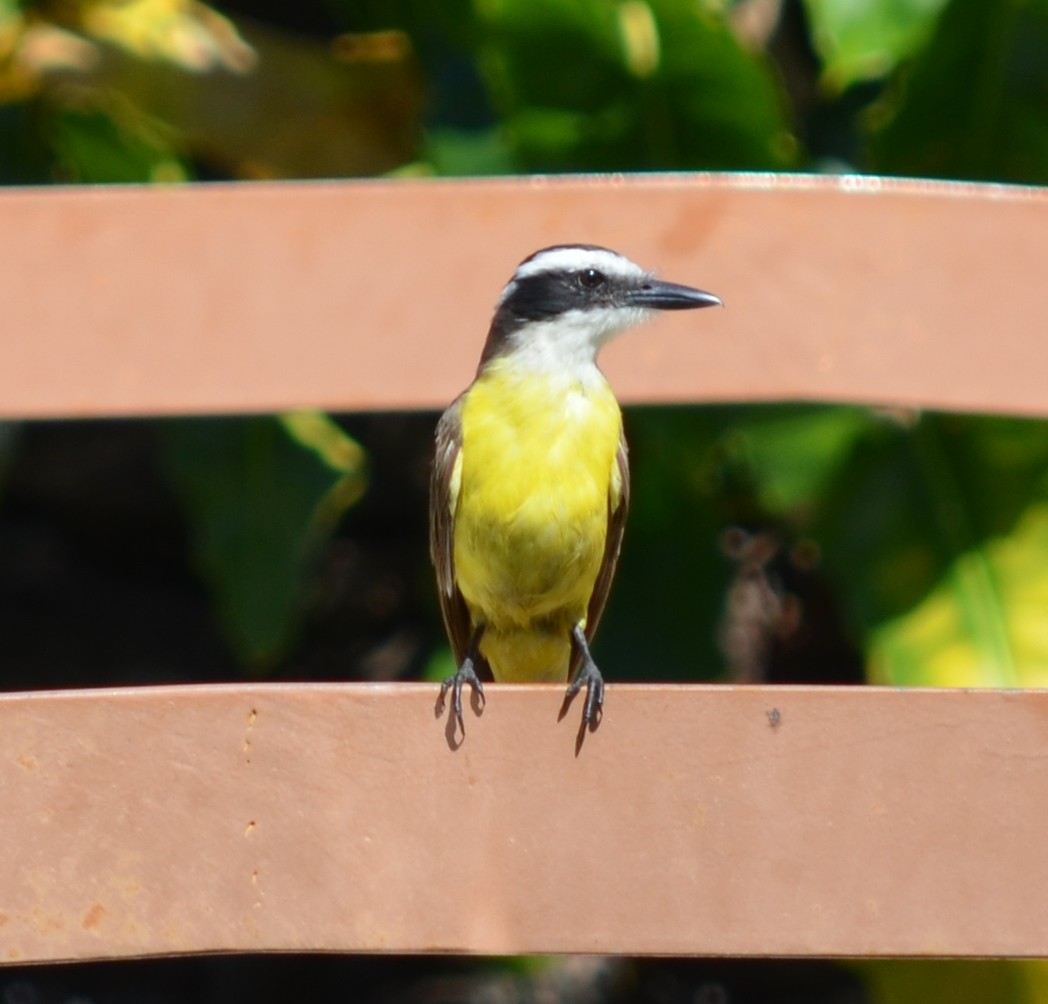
x=569 y=343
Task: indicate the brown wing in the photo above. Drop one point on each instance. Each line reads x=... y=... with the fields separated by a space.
x=612 y=545
x=442 y=527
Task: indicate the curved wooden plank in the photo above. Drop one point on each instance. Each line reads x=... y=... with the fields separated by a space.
x=696 y=820
x=355 y=295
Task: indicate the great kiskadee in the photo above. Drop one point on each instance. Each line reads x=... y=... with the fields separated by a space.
x=530 y=481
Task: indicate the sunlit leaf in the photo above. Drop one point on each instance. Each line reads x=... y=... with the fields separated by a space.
x=313 y=430
x=187 y=33
x=984 y=624
x=321 y=434
x=31 y=48
x=867 y=39
x=926 y=530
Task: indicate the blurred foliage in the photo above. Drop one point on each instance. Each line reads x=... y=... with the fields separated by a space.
x=958 y=981
x=867 y=39
x=974 y=101
x=8 y=443
x=915 y=545
x=261 y=494
x=932 y=528
x=665 y=85
x=163 y=90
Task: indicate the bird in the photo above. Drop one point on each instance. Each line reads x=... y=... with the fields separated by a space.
x=529 y=485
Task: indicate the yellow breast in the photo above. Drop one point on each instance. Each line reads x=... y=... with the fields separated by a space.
x=537 y=471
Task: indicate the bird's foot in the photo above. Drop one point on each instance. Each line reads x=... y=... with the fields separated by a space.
x=588 y=675
x=465 y=674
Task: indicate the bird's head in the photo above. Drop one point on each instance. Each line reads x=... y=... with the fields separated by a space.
x=564 y=302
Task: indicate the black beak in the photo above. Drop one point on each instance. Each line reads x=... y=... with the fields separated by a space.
x=670 y=296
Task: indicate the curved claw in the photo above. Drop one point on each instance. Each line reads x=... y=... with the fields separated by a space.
x=589 y=675
x=465 y=674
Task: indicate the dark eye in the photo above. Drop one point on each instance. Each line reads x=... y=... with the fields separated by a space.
x=591 y=278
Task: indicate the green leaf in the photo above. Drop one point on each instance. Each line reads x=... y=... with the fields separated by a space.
x=589 y=85
x=667 y=599
x=92 y=147
x=933 y=528
x=440 y=665
x=794 y=453
x=697 y=471
x=459 y=152
x=24 y=157
x=975 y=104
x=867 y=39
x=258 y=504
x=937 y=536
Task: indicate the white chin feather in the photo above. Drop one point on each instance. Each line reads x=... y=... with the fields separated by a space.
x=569 y=343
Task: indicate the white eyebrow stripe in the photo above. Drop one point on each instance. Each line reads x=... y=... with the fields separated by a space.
x=574 y=259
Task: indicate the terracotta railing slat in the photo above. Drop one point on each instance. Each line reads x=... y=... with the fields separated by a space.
x=377 y=295
x=248 y=818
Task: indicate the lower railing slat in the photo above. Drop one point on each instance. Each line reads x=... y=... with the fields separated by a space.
x=695 y=820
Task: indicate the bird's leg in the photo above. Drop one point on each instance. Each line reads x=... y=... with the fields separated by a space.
x=589 y=675
x=465 y=674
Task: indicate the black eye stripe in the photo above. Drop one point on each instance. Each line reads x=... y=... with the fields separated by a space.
x=543 y=295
